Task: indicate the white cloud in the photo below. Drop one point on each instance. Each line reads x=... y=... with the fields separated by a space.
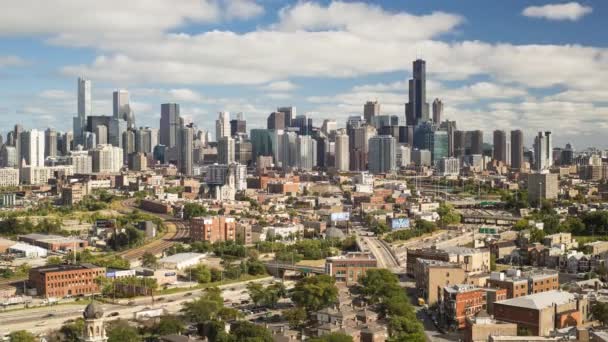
x=7 y=61
x=242 y=9
x=283 y=86
x=185 y=95
x=55 y=94
x=572 y=11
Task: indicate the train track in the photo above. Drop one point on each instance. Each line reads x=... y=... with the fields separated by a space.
x=176 y=231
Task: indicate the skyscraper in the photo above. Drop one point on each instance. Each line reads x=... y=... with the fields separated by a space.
x=517 y=149
x=543 y=151
x=290 y=114
x=222 y=126
x=50 y=143
x=32 y=148
x=439 y=148
x=302 y=123
x=306 y=151
x=382 y=154
x=371 y=109
x=417 y=109
x=226 y=150
x=476 y=142
x=106 y=159
x=342 y=152
x=238 y=126
x=185 y=150
x=170 y=124
x=85 y=108
x=101 y=131
x=359 y=147
x=437 y=111
x=500 y=146
x=276 y=120
x=261 y=143
x=121 y=107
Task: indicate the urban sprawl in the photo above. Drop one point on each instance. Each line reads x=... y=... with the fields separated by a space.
x=381 y=228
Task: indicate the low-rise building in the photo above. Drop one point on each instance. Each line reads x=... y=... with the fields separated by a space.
x=213 y=228
x=596 y=247
x=54 y=242
x=432 y=275
x=66 y=280
x=519 y=284
x=27 y=251
x=564 y=239
x=348 y=268
x=181 y=261
x=462 y=301
x=482 y=326
x=541 y=313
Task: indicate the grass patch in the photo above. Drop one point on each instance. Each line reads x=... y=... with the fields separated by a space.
x=208 y=285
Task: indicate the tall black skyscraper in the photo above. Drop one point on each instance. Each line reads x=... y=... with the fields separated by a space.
x=417 y=109
x=517 y=149
x=170 y=124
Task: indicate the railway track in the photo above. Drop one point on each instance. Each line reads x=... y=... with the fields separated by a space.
x=176 y=231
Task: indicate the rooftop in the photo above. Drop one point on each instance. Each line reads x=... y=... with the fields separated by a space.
x=460 y=288
x=180 y=257
x=353 y=256
x=540 y=300
x=63 y=268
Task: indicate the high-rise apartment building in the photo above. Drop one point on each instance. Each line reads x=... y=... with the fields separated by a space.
x=50 y=143
x=107 y=159
x=170 y=124
x=359 y=146
x=417 y=109
x=371 y=109
x=262 y=143
x=476 y=142
x=382 y=154
x=32 y=148
x=222 y=126
x=238 y=127
x=81 y=161
x=342 y=153
x=329 y=126
x=517 y=149
x=306 y=151
x=101 y=132
x=437 y=111
x=275 y=121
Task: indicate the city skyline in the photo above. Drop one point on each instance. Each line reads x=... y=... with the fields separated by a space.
x=486 y=78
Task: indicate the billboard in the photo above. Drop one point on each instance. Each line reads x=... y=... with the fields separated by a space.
x=400 y=223
x=486 y=230
x=105 y=223
x=342 y=216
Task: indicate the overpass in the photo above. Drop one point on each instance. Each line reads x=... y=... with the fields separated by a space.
x=274 y=267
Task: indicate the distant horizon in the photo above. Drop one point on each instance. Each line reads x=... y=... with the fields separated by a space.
x=548 y=71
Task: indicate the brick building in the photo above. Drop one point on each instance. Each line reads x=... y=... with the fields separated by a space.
x=66 y=280
x=349 y=267
x=520 y=284
x=54 y=242
x=465 y=301
x=213 y=229
x=432 y=275
x=540 y=314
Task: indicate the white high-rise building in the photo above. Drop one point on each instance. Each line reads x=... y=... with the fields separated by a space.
x=222 y=126
x=449 y=166
x=101 y=132
x=329 y=126
x=107 y=159
x=404 y=156
x=382 y=154
x=32 y=148
x=81 y=161
x=226 y=150
x=306 y=152
x=288 y=151
x=543 y=151
x=342 y=153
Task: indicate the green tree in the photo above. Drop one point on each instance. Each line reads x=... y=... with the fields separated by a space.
x=193 y=210
x=121 y=331
x=201 y=273
x=296 y=317
x=72 y=332
x=149 y=260
x=54 y=260
x=169 y=325
x=448 y=214
x=600 y=312
x=249 y=332
x=492 y=262
x=521 y=225
x=205 y=308
x=406 y=328
x=315 y=293
x=333 y=337
x=22 y=336
x=378 y=284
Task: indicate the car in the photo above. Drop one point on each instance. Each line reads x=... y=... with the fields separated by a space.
x=188 y=294
x=160 y=299
x=49 y=314
x=114 y=314
x=131 y=302
x=41 y=324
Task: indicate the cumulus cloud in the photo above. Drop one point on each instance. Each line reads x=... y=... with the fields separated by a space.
x=7 y=61
x=572 y=11
x=280 y=86
x=242 y=9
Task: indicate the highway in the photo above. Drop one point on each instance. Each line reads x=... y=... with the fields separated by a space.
x=46 y=319
x=383 y=255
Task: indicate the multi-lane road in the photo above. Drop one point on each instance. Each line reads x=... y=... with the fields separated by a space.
x=381 y=252
x=46 y=319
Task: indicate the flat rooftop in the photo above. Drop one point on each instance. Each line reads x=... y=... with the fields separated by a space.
x=541 y=300
x=181 y=257
x=64 y=268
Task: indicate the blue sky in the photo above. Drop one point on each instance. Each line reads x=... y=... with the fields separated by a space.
x=497 y=65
